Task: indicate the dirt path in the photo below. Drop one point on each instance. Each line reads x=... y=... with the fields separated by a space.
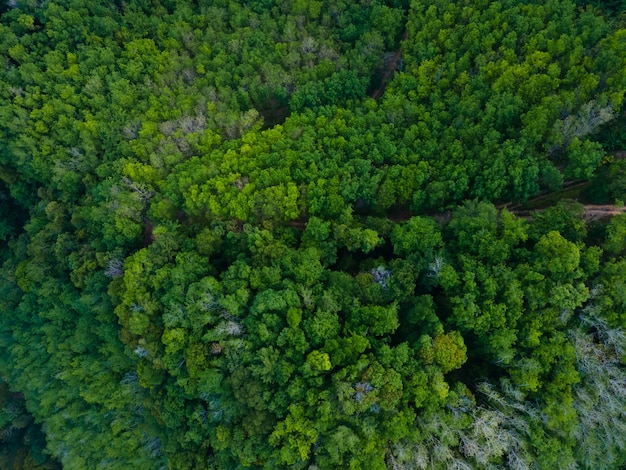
x=592 y=212
x=388 y=72
x=544 y=195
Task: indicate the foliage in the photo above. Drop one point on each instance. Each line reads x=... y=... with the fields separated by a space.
x=22 y=443
x=219 y=252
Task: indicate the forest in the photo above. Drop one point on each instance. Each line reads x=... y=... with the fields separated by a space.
x=312 y=234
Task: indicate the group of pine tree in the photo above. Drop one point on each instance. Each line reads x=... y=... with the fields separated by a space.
x=274 y=234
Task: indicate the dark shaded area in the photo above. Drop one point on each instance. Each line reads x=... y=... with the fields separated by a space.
x=22 y=442
x=13 y=215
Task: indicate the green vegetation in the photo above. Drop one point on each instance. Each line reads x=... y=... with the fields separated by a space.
x=272 y=234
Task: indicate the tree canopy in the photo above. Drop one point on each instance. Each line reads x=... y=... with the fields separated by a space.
x=312 y=234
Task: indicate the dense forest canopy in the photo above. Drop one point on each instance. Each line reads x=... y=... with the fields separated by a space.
x=312 y=234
